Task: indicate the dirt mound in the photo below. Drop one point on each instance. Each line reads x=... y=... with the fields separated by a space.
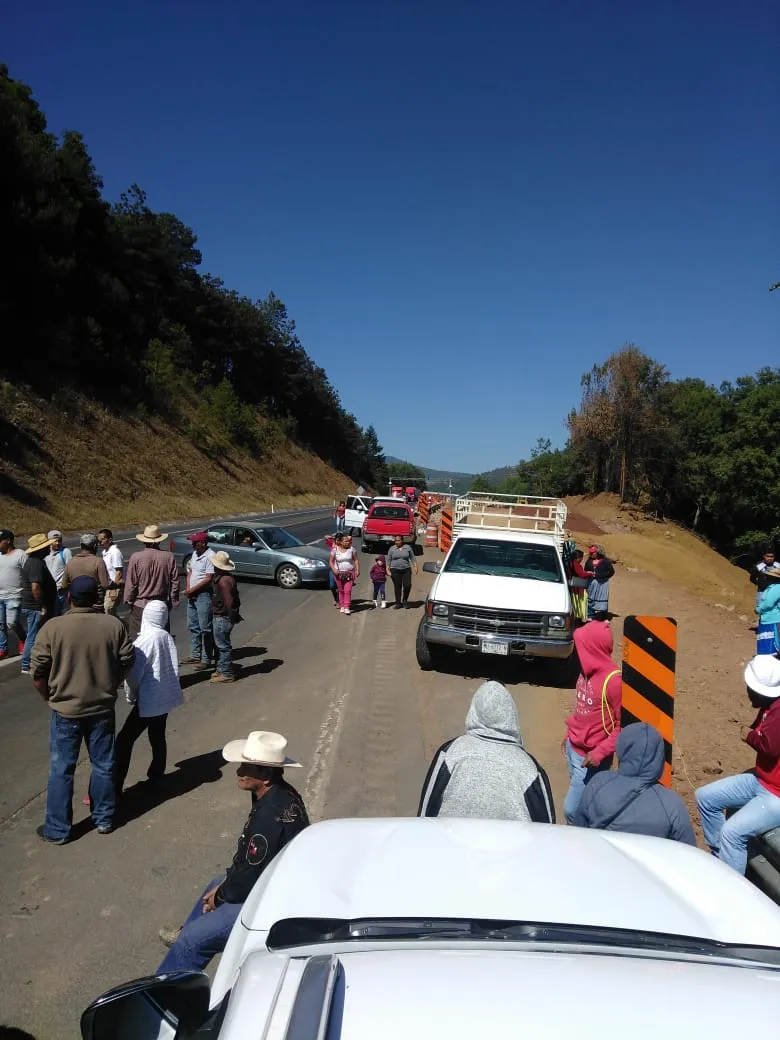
x=581 y=524
x=88 y=467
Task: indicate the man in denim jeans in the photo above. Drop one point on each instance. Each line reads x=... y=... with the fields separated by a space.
x=39 y=593
x=198 y=591
x=225 y=605
x=12 y=560
x=756 y=795
x=78 y=661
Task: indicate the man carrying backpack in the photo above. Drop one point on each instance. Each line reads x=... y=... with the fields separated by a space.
x=225 y=608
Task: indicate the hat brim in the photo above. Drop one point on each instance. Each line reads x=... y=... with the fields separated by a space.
x=756 y=686
x=150 y=541
x=234 y=752
x=43 y=545
x=223 y=566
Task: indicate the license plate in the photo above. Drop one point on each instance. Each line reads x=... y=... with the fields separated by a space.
x=494 y=648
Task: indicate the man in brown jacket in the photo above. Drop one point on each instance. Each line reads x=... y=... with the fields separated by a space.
x=151 y=574
x=86 y=562
x=78 y=661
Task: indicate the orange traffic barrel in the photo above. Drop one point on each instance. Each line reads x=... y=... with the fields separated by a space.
x=432 y=536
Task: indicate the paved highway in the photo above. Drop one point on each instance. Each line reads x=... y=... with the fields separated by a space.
x=24 y=734
x=359 y=715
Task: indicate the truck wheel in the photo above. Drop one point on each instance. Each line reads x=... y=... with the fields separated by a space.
x=366 y=547
x=356 y=532
x=428 y=657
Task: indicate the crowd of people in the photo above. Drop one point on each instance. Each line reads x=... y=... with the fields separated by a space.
x=62 y=608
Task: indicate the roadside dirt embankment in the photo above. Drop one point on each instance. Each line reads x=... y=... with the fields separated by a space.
x=88 y=467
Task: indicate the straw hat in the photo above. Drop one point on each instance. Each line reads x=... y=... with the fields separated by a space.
x=762 y=675
x=261 y=748
x=38 y=541
x=222 y=561
x=152 y=535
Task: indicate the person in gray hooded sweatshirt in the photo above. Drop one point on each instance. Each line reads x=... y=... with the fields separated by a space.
x=487 y=773
x=632 y=799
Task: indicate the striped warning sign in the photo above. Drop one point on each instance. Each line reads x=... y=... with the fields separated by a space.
x=445 y=532
x=649 y=660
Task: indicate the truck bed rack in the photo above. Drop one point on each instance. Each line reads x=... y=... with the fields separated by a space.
x=527 y=514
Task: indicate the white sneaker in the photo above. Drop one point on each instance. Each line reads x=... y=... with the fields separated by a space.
x=376 y=603
x=383 y=604
x=342 y=610
x=347 y=611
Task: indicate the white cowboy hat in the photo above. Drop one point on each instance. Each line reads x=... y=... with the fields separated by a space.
x=762 y=675
x=152 y=534
x=222 y=561
x=261 y=748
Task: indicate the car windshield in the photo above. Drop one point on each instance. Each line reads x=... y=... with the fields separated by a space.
x=504 y=559
x=278 y=538
x=389 y=513
x=308 y=931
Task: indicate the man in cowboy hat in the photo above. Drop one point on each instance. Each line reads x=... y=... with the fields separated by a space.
x=200 y=575
x=756 y=794
x=225 y=606
x=151 y=574
x=276 y=816
x=39 y=593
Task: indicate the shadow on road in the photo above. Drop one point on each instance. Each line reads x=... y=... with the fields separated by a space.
x=559 y=675
x=14 y=1033
x=261 y=668
x=190 y=773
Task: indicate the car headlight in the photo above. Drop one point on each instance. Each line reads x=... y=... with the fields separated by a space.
x=314 y=563
x=557 y=621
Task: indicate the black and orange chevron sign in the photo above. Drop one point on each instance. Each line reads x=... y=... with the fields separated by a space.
x=649 y=660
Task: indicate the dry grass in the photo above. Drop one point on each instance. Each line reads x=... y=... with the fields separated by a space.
x=665 y=550
x=89 y=467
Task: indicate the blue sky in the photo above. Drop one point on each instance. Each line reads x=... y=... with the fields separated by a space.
x=463 y=205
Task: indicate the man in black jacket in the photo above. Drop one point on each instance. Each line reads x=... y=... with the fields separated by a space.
x=277 y=815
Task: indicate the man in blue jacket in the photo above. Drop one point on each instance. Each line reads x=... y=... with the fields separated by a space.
x=632 y=799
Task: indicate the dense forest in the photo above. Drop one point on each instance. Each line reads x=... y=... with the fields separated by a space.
x=109 y=298
x=706 y=456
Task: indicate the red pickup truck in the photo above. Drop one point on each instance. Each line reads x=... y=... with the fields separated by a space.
x=384 y=521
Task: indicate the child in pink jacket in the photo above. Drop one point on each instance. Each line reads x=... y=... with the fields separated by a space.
x=378 y=575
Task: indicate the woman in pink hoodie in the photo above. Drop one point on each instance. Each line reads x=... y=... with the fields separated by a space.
x=594 y=726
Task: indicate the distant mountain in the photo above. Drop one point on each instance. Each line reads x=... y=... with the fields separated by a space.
x=494 y=477
x=461 y=482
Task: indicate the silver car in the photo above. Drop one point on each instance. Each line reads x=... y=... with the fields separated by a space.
x=262 y=552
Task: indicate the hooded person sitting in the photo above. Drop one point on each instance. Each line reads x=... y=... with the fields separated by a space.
x=487 y=773
x=632 y=799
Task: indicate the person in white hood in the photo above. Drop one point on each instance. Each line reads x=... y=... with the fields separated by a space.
x=487 y=773
x=153 y=688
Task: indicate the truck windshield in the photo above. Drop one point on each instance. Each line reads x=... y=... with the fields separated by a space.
x=504 y=559
x=389 y=513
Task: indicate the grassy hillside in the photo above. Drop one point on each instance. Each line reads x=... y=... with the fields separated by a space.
x=71 y=463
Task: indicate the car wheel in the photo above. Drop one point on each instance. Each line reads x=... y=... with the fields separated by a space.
x=288 y=576
x=428 y=657
x=186 y=564
x=366 y=546
x=357 y=532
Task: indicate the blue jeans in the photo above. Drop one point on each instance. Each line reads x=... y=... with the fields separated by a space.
x=341 y=523
x=759 y=812
x=222 y=628
x=62 y=602
x=10 y=617
x=578 y=777
x=32 y=619
x=65 y=736
x=202 y=937
x=199 y=622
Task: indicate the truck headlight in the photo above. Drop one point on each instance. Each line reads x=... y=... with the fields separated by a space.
x=439 y=613
x=440 y=610
x=558 y=621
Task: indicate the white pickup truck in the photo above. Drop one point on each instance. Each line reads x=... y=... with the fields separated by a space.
x=502 y=587
x=424 y=928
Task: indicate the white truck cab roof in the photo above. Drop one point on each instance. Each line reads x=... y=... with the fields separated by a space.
x=426 y=928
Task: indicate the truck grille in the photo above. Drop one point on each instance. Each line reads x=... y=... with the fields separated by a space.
x=497 y=622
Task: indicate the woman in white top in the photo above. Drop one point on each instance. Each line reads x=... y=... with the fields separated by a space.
x=345 y=565
x=153 y=688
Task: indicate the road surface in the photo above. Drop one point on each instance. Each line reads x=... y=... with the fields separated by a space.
x=359 y=715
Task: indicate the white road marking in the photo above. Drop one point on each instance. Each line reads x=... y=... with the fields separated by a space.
x=316 y=786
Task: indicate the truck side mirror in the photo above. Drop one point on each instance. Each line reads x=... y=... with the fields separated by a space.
x=168 y=1007
x=432 y=567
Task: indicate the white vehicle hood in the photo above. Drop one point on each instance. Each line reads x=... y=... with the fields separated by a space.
x=483 y=590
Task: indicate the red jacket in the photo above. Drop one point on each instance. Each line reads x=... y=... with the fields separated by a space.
x=764 y=738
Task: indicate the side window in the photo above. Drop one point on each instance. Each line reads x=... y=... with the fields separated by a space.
x=220 y=535
x=244 y=536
